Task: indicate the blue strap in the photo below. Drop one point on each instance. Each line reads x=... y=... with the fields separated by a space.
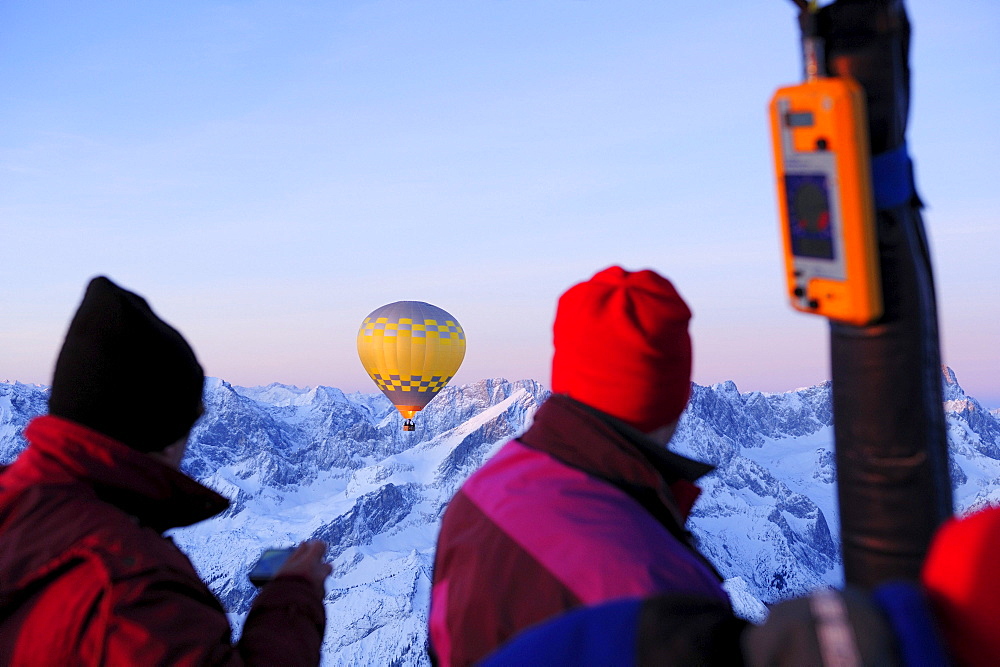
x=892 y=178
x=909 y=614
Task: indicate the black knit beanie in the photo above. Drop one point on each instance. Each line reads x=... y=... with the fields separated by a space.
x=126 y=373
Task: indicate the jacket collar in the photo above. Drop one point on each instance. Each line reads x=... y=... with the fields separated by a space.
x=672 y=465
x=614 y=451
x=584 y=437
x=64 y=452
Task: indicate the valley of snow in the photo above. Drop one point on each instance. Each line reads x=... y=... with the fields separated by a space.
x=317 y=463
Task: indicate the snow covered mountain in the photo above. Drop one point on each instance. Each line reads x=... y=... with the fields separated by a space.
x=315 y=462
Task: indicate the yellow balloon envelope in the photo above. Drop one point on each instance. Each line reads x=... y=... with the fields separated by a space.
x=411 y=350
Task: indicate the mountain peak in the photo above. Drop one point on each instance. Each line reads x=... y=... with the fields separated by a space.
x=949 y=375
x=952 y=393
x=304 y=461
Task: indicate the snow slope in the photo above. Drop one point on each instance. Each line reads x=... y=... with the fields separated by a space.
x=315 y=462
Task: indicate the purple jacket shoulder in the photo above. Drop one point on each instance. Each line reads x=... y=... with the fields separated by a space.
x=574 y=513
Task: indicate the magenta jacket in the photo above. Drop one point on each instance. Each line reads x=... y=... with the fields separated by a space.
x=579 y=510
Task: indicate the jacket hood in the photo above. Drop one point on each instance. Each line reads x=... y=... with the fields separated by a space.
x=601 y=445
x=66 y=453
x=71 y=480
x=582 y=436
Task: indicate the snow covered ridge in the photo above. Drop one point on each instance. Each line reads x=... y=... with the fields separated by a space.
x=316 y=462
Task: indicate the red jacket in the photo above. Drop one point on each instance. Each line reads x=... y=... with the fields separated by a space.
x=578 y=511
x=86 y=577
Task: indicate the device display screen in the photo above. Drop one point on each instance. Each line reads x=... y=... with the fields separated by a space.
x=809 y=219
x=268 y=565
x=799 y=119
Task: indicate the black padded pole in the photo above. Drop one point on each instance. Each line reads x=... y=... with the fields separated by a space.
x=891 y=450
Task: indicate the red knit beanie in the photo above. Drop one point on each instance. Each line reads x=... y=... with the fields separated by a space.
x=961 y=581
x=622 y=346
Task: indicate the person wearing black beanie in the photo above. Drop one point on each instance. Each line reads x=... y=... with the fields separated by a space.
x=126 y=373
x=86 y=575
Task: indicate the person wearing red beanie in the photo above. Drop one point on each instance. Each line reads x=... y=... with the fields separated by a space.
x=961 y=582
x=588 y=505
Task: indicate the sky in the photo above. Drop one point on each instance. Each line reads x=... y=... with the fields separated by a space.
x=267 y=173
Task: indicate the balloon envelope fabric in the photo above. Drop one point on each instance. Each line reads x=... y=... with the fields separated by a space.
x=411 y=350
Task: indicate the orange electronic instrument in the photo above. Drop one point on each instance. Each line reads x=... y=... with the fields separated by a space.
x=820 y=135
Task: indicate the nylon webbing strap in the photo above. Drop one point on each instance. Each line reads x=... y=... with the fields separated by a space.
x=833 y=630
x=892 y=178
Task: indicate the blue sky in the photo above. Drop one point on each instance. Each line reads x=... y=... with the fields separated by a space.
x=267 y=173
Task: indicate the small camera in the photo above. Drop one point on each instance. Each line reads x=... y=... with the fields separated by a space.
x=268 y=565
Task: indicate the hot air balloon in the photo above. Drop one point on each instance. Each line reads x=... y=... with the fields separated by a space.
x=411 y=350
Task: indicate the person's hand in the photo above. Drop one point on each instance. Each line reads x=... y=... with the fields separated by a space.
x=307 y=561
